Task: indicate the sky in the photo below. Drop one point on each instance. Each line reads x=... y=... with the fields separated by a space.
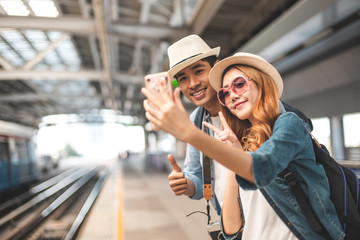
x=91 y=140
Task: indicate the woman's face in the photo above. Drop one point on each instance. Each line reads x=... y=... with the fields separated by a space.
x=242 y=105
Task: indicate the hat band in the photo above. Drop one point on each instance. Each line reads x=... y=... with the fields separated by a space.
x=186 y=59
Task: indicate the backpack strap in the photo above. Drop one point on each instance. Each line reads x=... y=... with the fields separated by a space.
x=199 y=117
x=300 y=114
x=302 y=200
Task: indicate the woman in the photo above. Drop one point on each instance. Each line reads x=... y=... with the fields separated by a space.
x=260 y=143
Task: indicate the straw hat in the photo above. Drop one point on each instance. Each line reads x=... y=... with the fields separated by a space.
x=187 y=51
x=252 y=60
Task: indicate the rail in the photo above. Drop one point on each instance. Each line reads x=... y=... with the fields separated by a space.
x=42 y=197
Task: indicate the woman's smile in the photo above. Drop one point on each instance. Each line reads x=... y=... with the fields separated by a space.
x=239 y=104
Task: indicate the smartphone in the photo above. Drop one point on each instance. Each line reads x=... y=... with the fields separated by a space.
x=152 y=79
x=151 y=84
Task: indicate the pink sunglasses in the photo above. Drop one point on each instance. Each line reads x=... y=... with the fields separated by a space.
x=239 y=86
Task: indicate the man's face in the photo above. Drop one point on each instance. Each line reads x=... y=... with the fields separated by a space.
x=194 y=83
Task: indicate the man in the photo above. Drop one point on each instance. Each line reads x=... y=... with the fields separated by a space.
x=191 y=60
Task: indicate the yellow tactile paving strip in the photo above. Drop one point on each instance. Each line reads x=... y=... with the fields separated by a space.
x=141 y=206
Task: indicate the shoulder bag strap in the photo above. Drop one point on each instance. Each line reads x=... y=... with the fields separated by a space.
x=301 y=198
x=206 y=161
x=206 y=166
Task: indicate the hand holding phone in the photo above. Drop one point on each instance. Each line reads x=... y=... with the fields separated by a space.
x=151 y=83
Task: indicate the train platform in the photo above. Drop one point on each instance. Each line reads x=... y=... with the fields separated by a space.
x=138 y=204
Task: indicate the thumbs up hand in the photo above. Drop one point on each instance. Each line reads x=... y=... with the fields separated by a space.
x=173 y=163
x=177 y=180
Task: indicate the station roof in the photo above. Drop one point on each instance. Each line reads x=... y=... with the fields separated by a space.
x=77 y=56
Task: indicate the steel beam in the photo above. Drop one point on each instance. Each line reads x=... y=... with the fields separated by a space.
x=294 y=17
x=85 y=75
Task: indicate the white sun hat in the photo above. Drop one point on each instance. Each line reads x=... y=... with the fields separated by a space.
x=249 y=59
x=187 y=51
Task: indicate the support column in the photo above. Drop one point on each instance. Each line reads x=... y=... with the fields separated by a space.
x=337 y=138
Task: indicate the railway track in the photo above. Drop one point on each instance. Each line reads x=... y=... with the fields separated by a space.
x=56 y=210
x=15 y=200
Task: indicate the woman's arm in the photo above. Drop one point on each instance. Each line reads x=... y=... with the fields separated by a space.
x=171 y=117
x=231 y=211
x=232 y=158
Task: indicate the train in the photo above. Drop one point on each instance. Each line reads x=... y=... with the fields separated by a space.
x=18 y=164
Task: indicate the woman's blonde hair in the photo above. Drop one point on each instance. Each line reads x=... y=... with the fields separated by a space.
x=266 y=110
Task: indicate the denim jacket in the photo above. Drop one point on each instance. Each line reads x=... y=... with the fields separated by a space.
x=193 y=163
x=290 y=146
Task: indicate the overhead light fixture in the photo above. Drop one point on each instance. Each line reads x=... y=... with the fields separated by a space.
x=14 y=7
x=44 y=8
x=40 y=8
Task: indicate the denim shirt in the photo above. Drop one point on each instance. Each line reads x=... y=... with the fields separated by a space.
x=193 y=165
x=290 y=146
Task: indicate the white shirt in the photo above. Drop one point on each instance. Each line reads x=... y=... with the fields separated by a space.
x=220 y=172
x=261 y=221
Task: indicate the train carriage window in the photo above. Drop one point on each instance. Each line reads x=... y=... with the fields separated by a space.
x=4 y=161
x=22 y=150
x=23 y=154
x=4 y=150
x=14 y=156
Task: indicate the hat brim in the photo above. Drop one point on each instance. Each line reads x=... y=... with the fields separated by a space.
x=215 y=75
x=177 y=68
